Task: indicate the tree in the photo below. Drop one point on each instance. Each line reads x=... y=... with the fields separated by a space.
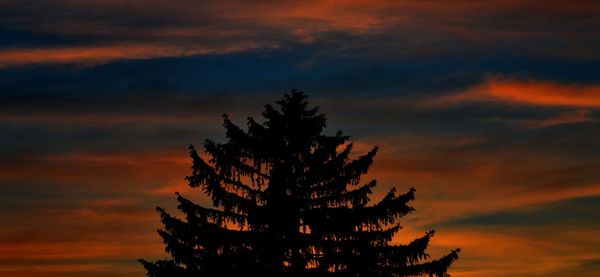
x=287 y=201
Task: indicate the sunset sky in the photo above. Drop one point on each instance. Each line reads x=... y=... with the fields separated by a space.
x=490 y=109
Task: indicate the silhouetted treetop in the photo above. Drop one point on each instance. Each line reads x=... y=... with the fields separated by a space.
x=287 y=200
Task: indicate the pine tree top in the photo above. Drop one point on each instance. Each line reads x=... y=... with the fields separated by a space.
x=288 y=201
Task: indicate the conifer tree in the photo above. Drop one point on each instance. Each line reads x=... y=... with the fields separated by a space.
x=287 y=201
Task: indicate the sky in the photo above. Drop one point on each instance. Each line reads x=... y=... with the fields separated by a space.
x=490 y=109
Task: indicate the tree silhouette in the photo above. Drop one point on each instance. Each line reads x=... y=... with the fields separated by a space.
x=288 y=202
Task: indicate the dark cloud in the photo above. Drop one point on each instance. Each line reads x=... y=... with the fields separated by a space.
x=390 y=29
x=572 y=214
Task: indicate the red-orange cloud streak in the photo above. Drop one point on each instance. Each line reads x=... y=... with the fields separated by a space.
x=530 y=92
x=94 y=55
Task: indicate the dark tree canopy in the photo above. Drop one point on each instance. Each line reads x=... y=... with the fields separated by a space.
x=288 y=201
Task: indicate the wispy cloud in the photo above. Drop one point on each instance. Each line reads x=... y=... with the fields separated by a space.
x=524 y=92
x=130 y=30
x=534 y=92
x=94 y=55
x=568 y=117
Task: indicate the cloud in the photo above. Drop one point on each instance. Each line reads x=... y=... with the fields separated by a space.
x=503 y=252
x=530 y=92
x=392 y=28
x=106 y=120
x=568 y=117
x=461 y=175
x=138 y=169
x=94 y=55
x=526 y=240
x=545 y=93
x=76 y=234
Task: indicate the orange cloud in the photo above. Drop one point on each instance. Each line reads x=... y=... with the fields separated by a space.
x=216 y=27
x=80 y=258
x=517 y=251
x=93 y=55
x=569 y=117
x=107 y=119
x=545 y=93
x=140 y=171
x=538 y=93
x=457 y=176
x=511 y=250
